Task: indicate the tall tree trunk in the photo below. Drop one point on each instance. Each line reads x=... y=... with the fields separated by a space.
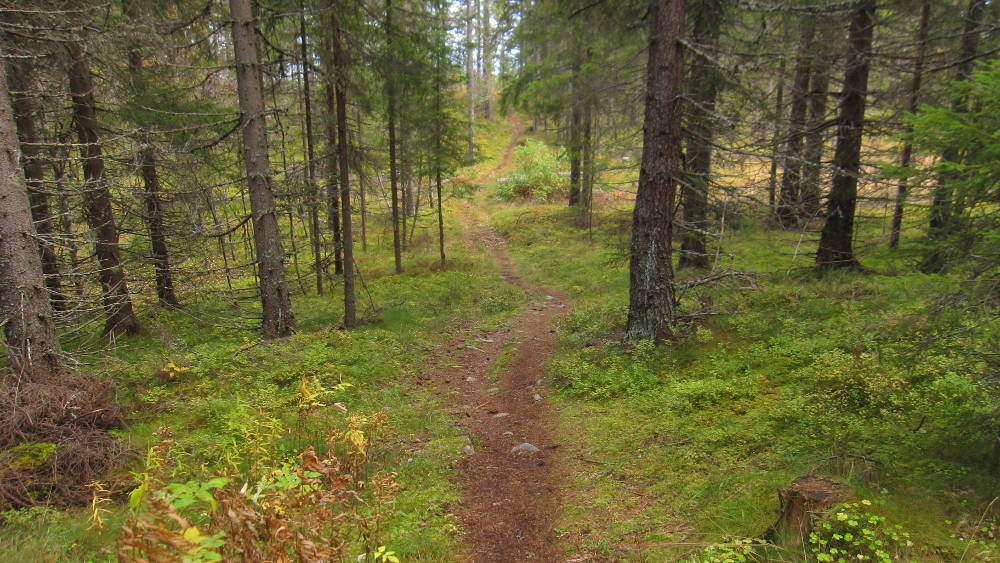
x=587 y=157
x=439 y=71
x=290 y=209
x=779 y=101
x=314 y=195
x=276 y=303
x=390 y=84
x=575 y=169
x=812 y=155
x=406 y=175
x=60 y=172
x=30 y=334
x=487 y=59
x=836 y=244
x=651 y=278
x=362 y=178
x=791 y=178
x=157 y=233
x=340 y=69
x=100 y=215
x=332 y=167
x=944 y=205
x=700 y=131
x=25 y=113
x=470 y=77
x=575 y=126
x=159 y=252
x=913 y=105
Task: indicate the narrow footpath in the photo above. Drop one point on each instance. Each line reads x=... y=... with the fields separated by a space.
x=510 y=474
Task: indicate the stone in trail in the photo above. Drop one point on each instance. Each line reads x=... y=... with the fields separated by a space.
x=511 y=495
x=536 y=397
x=525 y=448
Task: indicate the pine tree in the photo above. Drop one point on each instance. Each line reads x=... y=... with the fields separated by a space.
x=278 y=319
x=836 y=243
x=651 y=309
x=32 y=345
x=100 y=215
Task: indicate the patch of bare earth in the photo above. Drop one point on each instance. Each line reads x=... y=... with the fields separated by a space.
x=510 y=474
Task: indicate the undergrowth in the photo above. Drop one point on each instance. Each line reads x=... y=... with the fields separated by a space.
x=882 y=380
x=536 y=173
x=250 y=450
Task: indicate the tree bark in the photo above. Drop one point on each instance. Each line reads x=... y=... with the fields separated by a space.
x=30 y=334
x=470 y=76
x=802 y=503
x=157 y=233
x=276 y=303
x=440 y=69
x=25 y=113
x=362 y=194
x=340 y=69
x=406 y=177
x=700 y=131
x=390 y=85
x=487 y=59
x=836 y=243
x=100 y=215
x=651 y=290
x=61 y=173
x=913 y=105
x=815 y=142
x=587 y=157
x=776 y=138
x=313 y=187
x=332 y=167
x=575 y=166
x=791 y=178
x=159 y=252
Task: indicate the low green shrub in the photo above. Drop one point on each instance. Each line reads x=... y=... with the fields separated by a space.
x=607 y=372
x=501 y=300
x=536 y=173
x=853 y=533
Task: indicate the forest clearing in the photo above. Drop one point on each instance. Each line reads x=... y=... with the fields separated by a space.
x=706 y=281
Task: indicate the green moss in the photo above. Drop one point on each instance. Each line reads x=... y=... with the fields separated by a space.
x=31 y=456
x=686 y=443
x=239 y=411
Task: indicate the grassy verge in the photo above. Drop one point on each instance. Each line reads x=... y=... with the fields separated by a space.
x=878 y=380
x=207 y=399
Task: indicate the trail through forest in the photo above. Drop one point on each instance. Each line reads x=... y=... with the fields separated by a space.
x=494 y=380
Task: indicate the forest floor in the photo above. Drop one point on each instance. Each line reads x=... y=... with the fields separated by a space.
x=641 y=453
x=493 y=377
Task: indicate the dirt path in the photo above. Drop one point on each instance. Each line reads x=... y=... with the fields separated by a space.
x=508 y=153
x=510 y=496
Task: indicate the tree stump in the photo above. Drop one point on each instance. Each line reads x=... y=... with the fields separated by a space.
x=801 y=503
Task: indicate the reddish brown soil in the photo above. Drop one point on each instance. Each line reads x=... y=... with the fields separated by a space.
x=510 y=498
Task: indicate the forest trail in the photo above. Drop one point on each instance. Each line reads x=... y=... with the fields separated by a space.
x=508 y=154
x=494 y=381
